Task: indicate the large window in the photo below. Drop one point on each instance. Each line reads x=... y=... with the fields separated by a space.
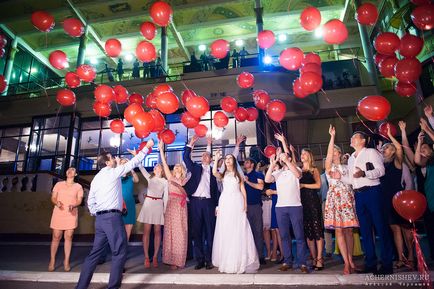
x=13 y=148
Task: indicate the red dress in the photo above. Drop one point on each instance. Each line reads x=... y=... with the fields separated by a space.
x=68 y=195
x=175 y=225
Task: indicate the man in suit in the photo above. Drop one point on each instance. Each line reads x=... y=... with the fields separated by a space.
x=204 y=195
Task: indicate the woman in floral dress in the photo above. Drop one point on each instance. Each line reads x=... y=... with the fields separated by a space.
x=340 y=209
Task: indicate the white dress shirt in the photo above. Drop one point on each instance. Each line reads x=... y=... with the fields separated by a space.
x=204 y=187
x=106 y=188
x=288 y=188
x=372 y=177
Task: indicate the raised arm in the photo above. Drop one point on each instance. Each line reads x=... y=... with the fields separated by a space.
x=405 y=144
x=282 y=139
x=291 y=166
x=236 y=151
x=215 y=172
x=418 y=154
x=186 y=157
x=428 y=113
x=399 y=152
x=209 y=143
x=425 y=127
x=167 y=171
x=134 y=162
x=269 y=175
x=330 y=148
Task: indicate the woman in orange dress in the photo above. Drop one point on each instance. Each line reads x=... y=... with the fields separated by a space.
x=66 y=197
x=175 y=218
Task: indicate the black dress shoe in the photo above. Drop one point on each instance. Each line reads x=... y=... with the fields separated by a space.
x=209 y=266
x=199 y=266
x=367 y=270
x=384 y=271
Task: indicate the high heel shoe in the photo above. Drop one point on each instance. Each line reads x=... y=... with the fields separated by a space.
x=347 y=270
x=321 y=262
x=147 y=263
x=50 y=267
x=155 y=262
x=66 y=267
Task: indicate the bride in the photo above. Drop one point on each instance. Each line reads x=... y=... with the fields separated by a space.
x=233 y=249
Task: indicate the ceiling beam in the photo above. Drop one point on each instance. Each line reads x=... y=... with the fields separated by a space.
x=179 y=41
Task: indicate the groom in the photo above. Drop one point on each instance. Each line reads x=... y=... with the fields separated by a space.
x=203 y=193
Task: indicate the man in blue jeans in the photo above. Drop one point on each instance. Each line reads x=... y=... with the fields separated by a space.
x=366 y=166
x=105 y=202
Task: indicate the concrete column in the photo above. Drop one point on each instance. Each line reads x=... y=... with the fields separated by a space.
x=259 y=27
x=164 y=50
x=10 y=63
x=82 y=48
x=368 y=52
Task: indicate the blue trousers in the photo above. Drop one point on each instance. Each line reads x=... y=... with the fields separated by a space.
x=288 y=217
x=370 y=214
x=109 y=229
x=203 y=217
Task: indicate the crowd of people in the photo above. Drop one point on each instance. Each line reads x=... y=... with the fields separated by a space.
x=241 y=217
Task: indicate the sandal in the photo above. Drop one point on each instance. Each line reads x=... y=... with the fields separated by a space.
x=66 y=267
x=155 y=262
x=400 y=264
x=321 y=262
x=147 y=263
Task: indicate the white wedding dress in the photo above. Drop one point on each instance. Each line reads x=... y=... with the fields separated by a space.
x=233 y=249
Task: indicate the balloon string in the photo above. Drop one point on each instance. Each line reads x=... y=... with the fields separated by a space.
x=424 y=272
x=364 y=124
x=329 y=101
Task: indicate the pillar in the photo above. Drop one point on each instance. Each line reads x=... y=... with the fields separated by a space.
x=164 y=50
x=10 y=63
x=259 y=27
x=82 y=47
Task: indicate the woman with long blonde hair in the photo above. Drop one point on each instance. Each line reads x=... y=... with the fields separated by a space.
x=175 y=236
x=310 y=183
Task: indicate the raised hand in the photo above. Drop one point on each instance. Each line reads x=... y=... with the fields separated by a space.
x=279 y=137
x=428 y=110
x=160 y=145
x=273 y=160
x=332 y=131
x=402 y=125
x=133 y=151
x=218 y=155
x=421 y=136
x=150 y=143
x=423 y=124
x=278 y=151
x=193 y=140
x=240 y=139
x=208 y=139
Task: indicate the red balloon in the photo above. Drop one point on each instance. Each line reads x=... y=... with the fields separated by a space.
x=145 y=51
x=310 y=82
x=131 y=111
x=151 y=100
x=334 y=32
x=228 y=104
x=143 y=144
x=104 y=93
x=121 y=94
x=374 y=107
x=159 y=121
x=291 y=58
x=86 y=72
x=245 y=80
x=72 y=79
x=269 y=150
x=387 y=66
x=252 y=114
x=113 y=47
x=266 y=39
x=298 y=90
x=420 y=2
x=167 y=102
x=276 y=110
x=367 y=14
x=219 y=48
x=102 y=109
x=378 y=57
x=200 y=130
x=3 y=83
x=167 y=136
x=117 y=126
x=405 y=89
x=3 y=41
x=241 y=114
x=410 y=45
x=310 y=18
x=58 y=59
x=220 y=119
x=143 y=121
x=136 y=98
x=382 y=129
x=188 y=120
x=261 y=99
x=148 y=30
x=198 y=106
x=423 y=16
x=73 y=27
x=311 y=67
x=186 y=94
x=43 y=21
x=161 y=13
x=311 y=58
x=65 y=97
x=387 y=43
x=162 y=88
x=409 y=204
x=408 y=69
x=142 y=134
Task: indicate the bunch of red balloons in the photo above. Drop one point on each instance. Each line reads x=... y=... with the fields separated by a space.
x=408 y=69
x=310 y=80
x=3 y=43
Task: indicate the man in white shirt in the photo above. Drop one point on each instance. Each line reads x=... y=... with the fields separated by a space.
x=366 y=167
x=105 y=202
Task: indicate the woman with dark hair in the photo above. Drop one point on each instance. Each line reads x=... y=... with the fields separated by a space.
x=66 y=197
x=128 y=182
x=310 y=183
x=234 y=249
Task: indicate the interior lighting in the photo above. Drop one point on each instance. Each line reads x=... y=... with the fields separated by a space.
x=267 y=59
x=318 y=32
x=202 y=47
x=93 y=61
x=239 y=42
x=129 y=57
x=281 y=37
x=34 y=70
